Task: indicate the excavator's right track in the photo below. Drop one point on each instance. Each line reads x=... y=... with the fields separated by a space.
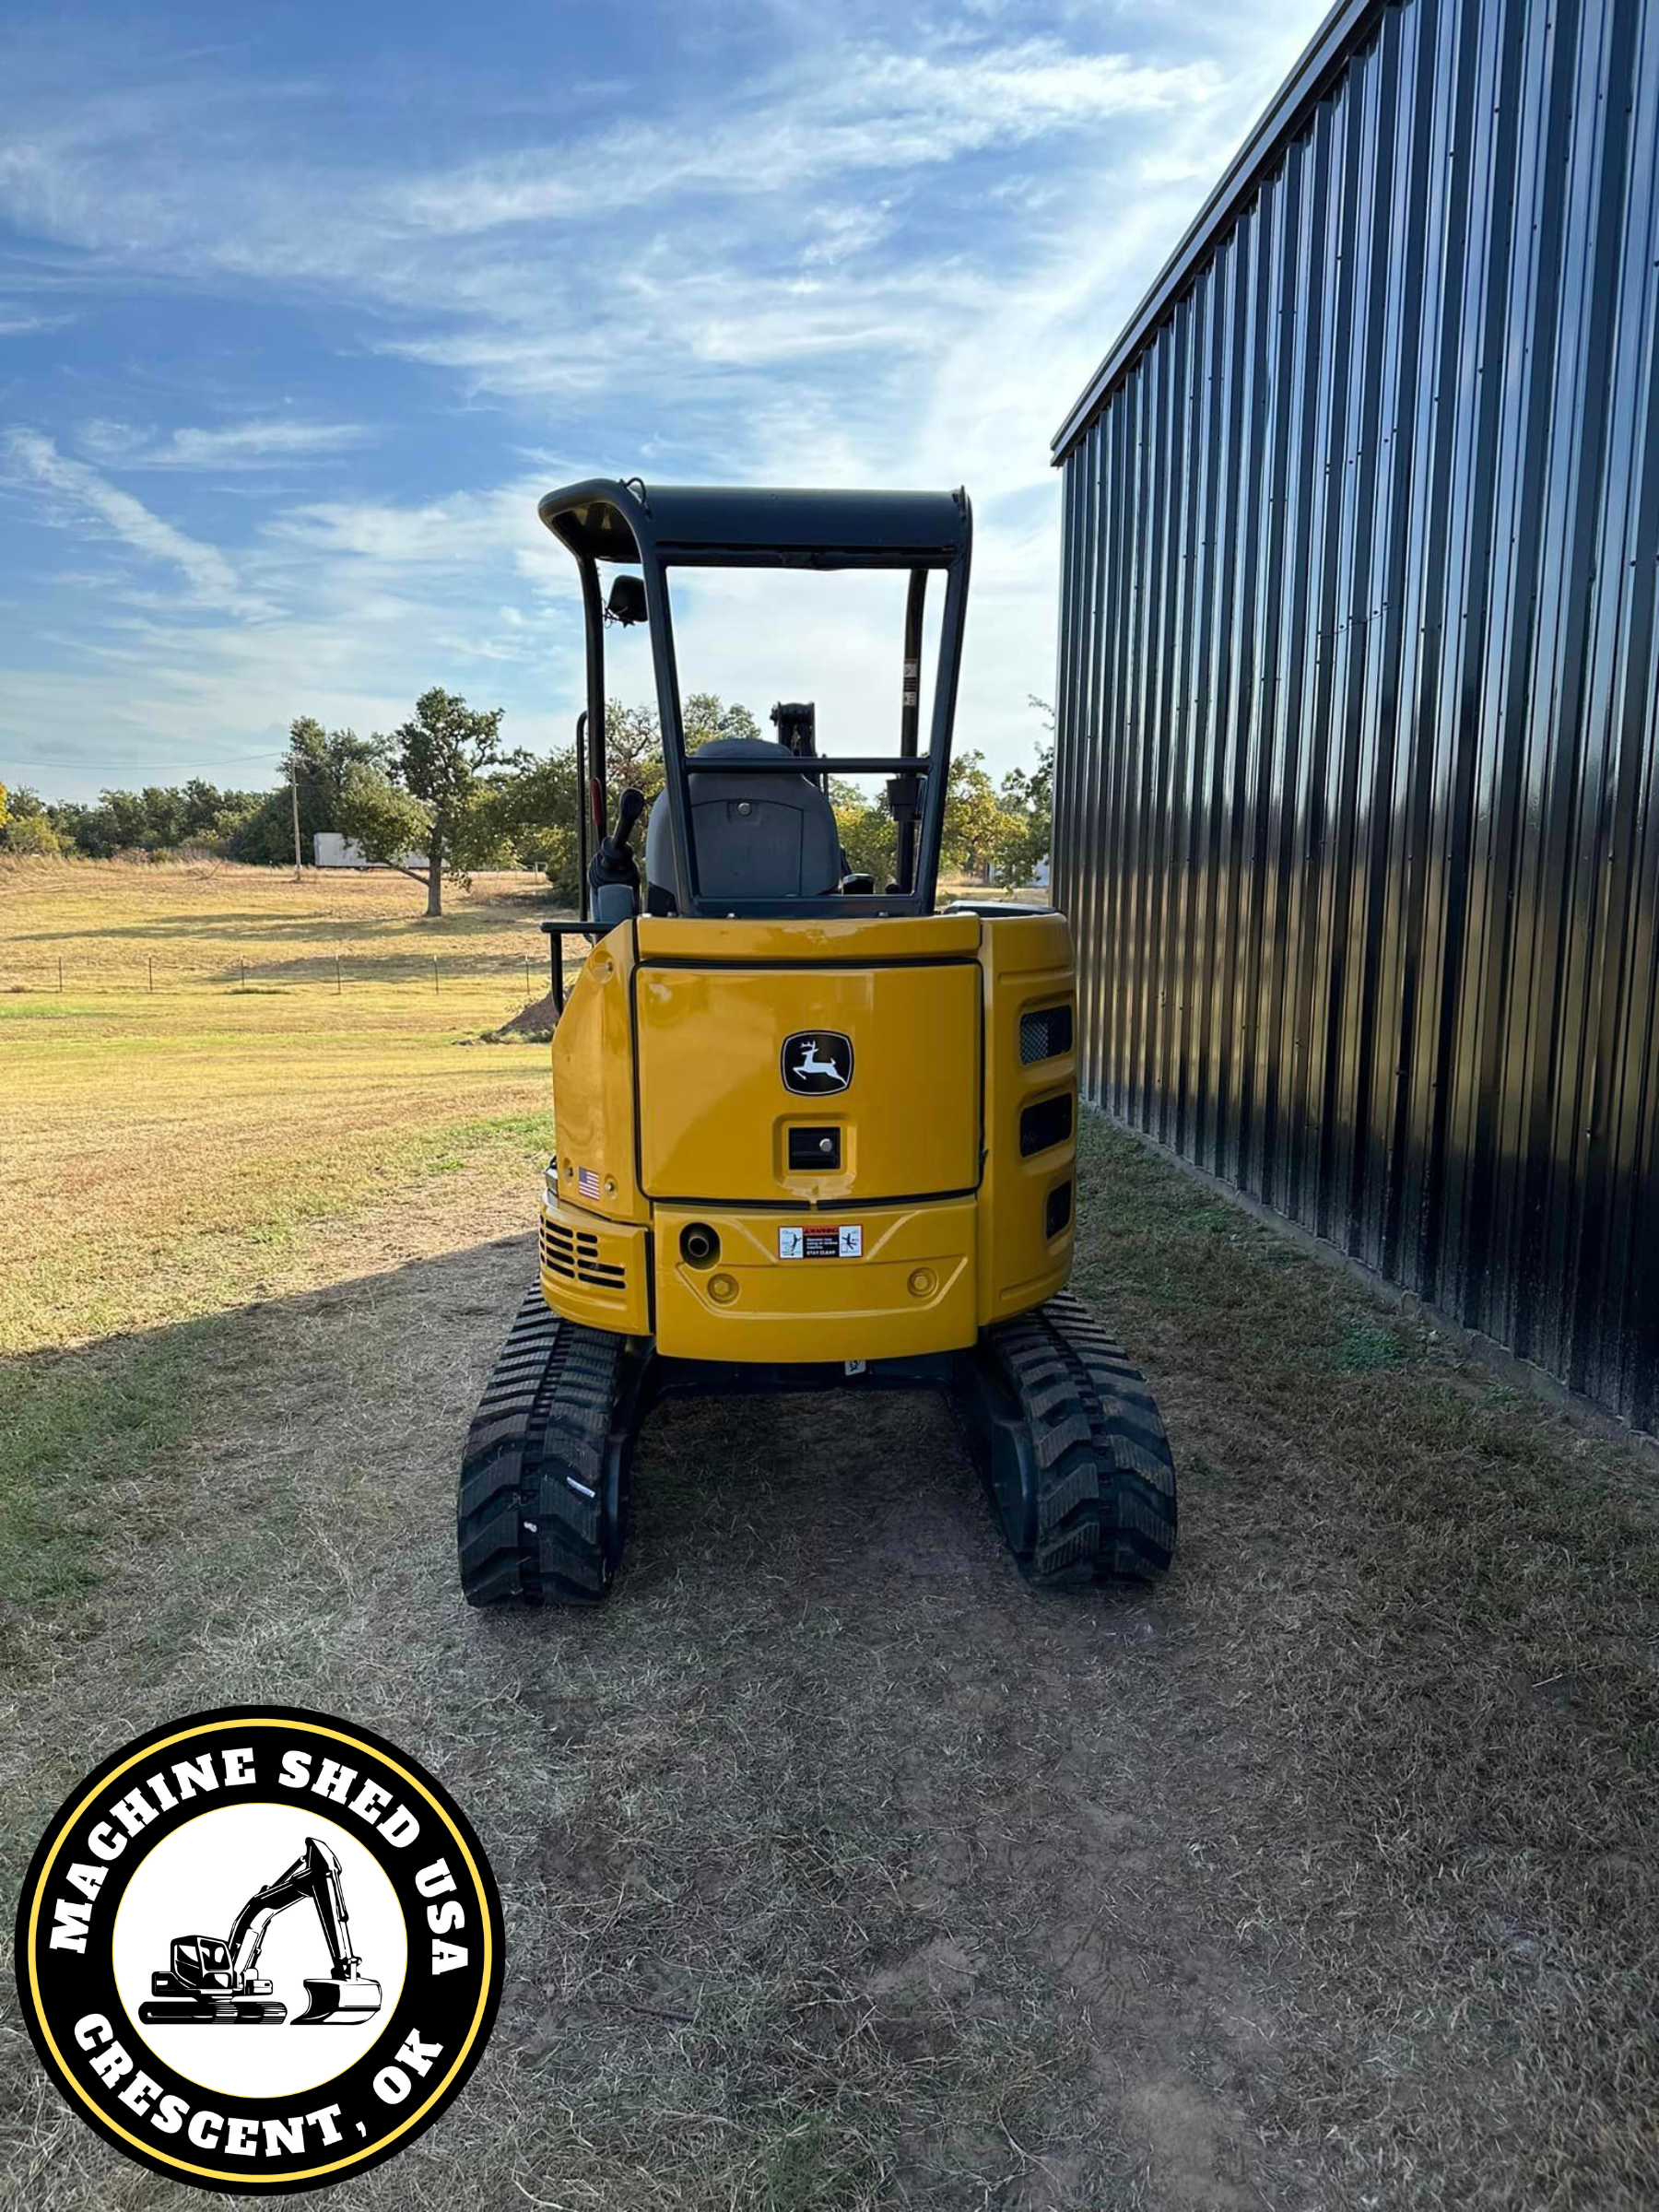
x=1071 y=1441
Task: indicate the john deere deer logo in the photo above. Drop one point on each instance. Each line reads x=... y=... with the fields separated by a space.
x=815 y=1061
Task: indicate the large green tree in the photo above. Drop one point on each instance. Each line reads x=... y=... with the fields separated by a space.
x=975 y=828
x=705 y=716
x=315 y=769
x=389 y=824
x=529 y=817
x=1028 y=801
x=633 y=754
x=869 y=836
x=999 y=834
x=320 y=761
x=428 y=796
x=25 y=825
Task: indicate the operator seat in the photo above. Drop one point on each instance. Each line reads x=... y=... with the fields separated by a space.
x=755 y=837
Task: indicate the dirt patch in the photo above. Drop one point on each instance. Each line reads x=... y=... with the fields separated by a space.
x=841 y=1871
x=533 y=1024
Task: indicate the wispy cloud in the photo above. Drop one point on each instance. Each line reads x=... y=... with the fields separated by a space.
x=838 y=234
x=84 y=495
x=863 y=109
x=466 y=528
x=788 y=242
x=256 y=444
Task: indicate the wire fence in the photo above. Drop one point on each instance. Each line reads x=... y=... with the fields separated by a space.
x=84 y=974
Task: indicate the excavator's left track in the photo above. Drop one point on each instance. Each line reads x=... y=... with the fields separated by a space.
x=544 y=1501
x=208 y=2012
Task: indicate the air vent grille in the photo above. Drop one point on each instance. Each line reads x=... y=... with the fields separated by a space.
x=1044 y=1033
x=1057 y=1213
x=1046 y=1122
x=574 y=1255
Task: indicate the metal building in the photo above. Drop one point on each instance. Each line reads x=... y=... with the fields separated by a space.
x=1358 y=742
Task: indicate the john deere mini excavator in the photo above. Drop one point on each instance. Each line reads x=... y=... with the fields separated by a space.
x=811 y=1133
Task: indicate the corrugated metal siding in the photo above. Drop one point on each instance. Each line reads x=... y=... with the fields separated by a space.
x=1358 y=747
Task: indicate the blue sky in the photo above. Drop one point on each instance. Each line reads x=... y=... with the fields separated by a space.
x=302 y=307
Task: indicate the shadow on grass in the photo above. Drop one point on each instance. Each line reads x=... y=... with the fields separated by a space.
x=88 y=1436
x=78 y=1431
x=702 y=1802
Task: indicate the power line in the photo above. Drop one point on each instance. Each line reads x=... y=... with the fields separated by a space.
x=71 y=768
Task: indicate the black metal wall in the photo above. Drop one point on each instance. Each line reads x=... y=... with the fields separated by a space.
x=1358 y=759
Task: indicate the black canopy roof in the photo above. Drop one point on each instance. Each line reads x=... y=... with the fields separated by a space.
x=609 y=519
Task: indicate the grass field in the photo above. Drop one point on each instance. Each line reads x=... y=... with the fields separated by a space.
x=840 y=1873
x=115 y=925
x=162 y=1156
x=171 y=1156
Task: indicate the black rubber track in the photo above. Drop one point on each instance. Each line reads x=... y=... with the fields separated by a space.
x=542 y=1508
x=1079 y=1464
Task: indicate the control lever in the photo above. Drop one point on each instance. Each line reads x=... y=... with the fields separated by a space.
x=614 y=868
x=615 y=847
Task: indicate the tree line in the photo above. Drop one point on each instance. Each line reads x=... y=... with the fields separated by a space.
x=442 y=795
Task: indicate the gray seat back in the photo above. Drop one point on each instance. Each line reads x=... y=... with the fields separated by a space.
x=755 y=837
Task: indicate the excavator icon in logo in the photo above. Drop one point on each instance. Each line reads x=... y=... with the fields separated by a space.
x=214 y=1980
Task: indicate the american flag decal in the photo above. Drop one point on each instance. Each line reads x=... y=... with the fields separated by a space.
x=587 y=1183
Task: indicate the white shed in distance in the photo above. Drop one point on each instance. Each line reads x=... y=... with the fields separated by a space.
x=330 y=850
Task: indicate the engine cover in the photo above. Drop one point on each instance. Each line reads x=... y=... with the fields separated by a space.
x=809 y=1083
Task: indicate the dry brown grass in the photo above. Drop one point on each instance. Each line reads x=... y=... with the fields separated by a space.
x=163 y=1151
x=162 y=1154
x=111 y=922
x=843 y=1872
x=170 y=1157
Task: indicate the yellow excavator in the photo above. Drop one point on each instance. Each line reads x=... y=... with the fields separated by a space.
x=214 y=1980
x=811 y=1133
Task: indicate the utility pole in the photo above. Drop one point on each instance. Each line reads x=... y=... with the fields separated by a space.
x=294 y=795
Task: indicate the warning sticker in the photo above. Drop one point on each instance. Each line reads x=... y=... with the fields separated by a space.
x=821 y=1240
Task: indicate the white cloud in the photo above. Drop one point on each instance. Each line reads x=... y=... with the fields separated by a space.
x=867 y=260
x=863 y=109
x=83 y=493
x=240 y=445
x=464 y=532
x=838 y=234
